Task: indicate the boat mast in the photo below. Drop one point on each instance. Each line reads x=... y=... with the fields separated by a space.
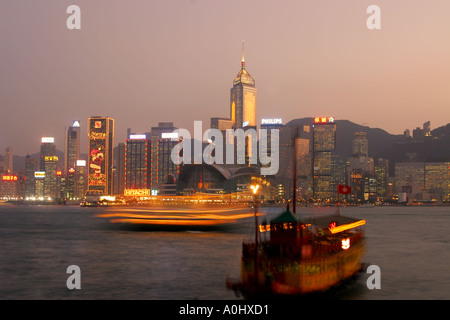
x=255 y=190
x=294 y=203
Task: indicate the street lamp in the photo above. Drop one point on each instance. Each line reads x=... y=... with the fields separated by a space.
x=255 y=188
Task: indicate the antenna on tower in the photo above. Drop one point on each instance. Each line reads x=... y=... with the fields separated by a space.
x=243 y=58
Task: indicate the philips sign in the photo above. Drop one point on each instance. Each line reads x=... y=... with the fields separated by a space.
x=271 y=121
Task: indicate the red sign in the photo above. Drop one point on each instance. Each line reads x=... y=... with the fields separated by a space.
x=323 y=120
x=98 y=124
x=59 y=173
x=343 y=189
x=10 y=178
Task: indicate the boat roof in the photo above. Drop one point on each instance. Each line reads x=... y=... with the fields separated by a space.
x=285 y=216
x=321 y=221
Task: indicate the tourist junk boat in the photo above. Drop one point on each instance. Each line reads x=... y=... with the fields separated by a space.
x=301 y=255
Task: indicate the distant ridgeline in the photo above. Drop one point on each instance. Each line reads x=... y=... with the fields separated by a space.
x=395 y=148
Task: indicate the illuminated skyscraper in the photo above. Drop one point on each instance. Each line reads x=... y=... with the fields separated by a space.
x=72 y=146
x=119 y=168
x=162 y=142
x=243 y=99
x=8 y=160
x=80 y=179
x=71 y=155
x=137 y=164
x=51 y=187
x=48 y=149
x=360 y=145
x=30 y=168
x=100 y=157
x=324 y=143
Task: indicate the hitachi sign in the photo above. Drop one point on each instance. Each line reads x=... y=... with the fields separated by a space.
x=136 y=192
x=271 y=121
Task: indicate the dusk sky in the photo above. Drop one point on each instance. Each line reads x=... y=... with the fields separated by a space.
x=145 y=61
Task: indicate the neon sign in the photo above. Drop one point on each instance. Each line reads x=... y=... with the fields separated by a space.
x=39 y=174
x=323 y=120
x=271 y=121
x=48 y=140
x=137 y=136
x=10 y=178
x=169 y=135
x=136 y=192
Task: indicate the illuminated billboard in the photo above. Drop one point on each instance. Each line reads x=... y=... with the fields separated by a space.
x=100 y=133
x=81 y=163
x=48 y=140
x=271 y=121
x=97 y=147
x=137 y=136
x=136 y=192
x=169 y=135
x=10 y=177
x=39 y=174
x=323 y=120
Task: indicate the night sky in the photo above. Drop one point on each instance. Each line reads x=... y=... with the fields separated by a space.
x=144 y=62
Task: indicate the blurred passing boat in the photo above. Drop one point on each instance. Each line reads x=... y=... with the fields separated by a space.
x=301 y=255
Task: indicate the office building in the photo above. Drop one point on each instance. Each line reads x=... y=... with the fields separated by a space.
x=30 y=184
x=324 y=144
x=51 y=179
x=71 y=155
x=48 y=149
x=243 y=99
x=80 y=179
x=162 y=140
x=8 y=160
x=119 y=167
x=137 y=164
x=100 y=157
x=360 y=145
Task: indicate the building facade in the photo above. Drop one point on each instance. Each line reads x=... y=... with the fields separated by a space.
x=324 y=144
x=100 y=156
x=243 y=99
x=137 y=164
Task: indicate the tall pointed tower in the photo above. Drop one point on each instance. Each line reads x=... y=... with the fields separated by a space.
x=243 y=98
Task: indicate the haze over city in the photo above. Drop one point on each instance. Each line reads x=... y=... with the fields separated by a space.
x=143 y=62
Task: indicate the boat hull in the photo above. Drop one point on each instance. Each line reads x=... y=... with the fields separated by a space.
x=302 y=276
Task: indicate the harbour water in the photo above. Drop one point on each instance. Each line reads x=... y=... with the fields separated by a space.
x=411 y=245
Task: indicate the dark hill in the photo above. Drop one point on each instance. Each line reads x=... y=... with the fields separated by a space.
x=379 y=140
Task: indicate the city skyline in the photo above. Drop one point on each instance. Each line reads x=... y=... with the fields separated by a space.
x=149 y=62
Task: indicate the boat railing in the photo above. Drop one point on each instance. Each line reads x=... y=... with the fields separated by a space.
x=317 y=247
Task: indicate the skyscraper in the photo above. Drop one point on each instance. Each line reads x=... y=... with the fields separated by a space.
x=360 y=145
x=324 y=144
x=137 y=164
x=71 y=155
x=48 y=149
x=8 y=160
x=51 y=187
x=30 y=168
x=100 y=157
x=119 y=168
x=160 y=160
x=243 y=99
x=72 y=146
